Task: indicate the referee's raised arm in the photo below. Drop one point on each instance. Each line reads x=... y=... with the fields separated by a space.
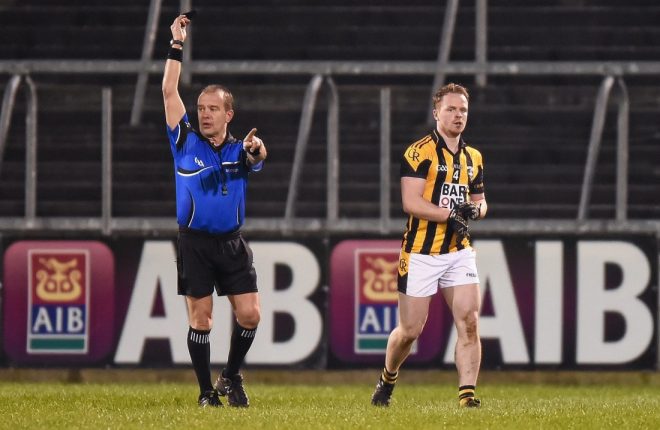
x=174 y=107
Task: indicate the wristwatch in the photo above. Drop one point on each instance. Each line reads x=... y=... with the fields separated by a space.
x=176 y=42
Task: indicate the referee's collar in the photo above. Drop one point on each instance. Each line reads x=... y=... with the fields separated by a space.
x=440 y=141
x=228 y=139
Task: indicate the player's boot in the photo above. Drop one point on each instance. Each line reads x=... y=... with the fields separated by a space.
x=232 y=387
x=209 y=398
x=469 y=402
x=382 y=393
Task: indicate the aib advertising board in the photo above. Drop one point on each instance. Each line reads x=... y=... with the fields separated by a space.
x=560 y=301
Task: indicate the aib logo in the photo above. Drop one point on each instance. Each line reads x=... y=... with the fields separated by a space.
x=58 y=301
x=363 y=303
x=377 y=297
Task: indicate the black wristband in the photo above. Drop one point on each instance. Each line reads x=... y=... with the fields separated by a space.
x=175 y=54
x=176 y=42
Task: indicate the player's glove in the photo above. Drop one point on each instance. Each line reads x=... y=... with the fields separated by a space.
x=457 y=222
x=469 y=210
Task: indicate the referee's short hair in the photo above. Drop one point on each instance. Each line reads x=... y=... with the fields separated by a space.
x=227 y=95
x=449 y=89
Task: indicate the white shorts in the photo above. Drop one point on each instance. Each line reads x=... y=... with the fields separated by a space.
x=428 y=272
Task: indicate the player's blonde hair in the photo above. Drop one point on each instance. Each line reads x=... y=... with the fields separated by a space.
x=450 y=88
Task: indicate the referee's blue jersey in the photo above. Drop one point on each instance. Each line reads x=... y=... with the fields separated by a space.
x=211 y=183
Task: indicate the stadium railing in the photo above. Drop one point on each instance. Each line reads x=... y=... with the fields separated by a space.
x=323 y=71
x=320 y=70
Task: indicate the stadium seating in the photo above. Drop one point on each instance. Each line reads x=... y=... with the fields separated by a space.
x=533 y=131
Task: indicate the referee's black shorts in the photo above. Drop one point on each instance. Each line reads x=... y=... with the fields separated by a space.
x=206 y=261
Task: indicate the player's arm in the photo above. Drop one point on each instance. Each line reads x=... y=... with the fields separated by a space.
x=174 y=107
x=414 y=203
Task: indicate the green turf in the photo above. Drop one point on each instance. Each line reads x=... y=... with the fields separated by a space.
x=415 y=406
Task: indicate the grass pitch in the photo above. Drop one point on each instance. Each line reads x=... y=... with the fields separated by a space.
x=128 y=405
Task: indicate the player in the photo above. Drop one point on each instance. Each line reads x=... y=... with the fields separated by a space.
x=442 y=188
x=211 y=170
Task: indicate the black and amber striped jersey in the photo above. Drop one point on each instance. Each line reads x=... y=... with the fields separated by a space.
x=450 y=179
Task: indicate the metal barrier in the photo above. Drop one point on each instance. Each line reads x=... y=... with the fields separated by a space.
x=30 y=139
x=385 y=144
x=31 y=153
x=481 y=38
x=444 y=49
x=304 y=129
x=7 y=110
x=325 y=70
x=321 y=71
x=147 y=52
x=106 y=160
x=338 y=68
x=595 y=140
x=446 y=38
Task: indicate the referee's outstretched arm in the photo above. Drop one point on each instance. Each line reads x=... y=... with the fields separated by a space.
x=174 y=107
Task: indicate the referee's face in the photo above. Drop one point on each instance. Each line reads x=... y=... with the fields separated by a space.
x=451 y=114
x=212 y=115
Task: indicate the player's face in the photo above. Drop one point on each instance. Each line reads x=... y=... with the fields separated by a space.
x=212 y=114
x=451 y=114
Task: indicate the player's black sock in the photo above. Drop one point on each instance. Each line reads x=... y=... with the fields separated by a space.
x=388 y=376
x=241 y=340
x=199 y=348
x=465 y=391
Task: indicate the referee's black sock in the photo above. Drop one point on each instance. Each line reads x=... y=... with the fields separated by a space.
x=241 y=340
x=199 y=348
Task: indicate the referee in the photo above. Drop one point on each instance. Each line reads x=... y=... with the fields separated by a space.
x=211 y=169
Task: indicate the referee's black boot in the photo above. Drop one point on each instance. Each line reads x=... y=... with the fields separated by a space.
x=382 y=394
x=232 y=387
x=209 y=398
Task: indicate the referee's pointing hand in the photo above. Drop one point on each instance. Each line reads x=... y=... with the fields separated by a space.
x=254 y=147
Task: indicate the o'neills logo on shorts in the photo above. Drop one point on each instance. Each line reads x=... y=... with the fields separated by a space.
x=58 y=301
x=376 y=310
